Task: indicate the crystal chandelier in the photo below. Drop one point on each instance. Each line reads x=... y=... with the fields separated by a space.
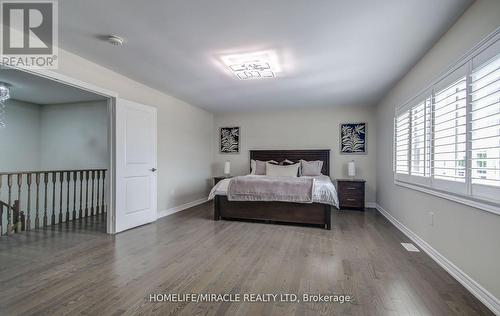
x=4 y=96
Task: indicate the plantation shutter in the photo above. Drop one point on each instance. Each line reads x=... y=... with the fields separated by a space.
x=420 y=139
x=402 y=140
x=485 y=125
x=450 y=132
x=447 y=138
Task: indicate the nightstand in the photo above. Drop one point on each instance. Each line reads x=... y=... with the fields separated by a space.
x=351 y=193
x=219 y=178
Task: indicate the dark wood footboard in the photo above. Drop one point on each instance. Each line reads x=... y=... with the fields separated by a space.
x=314 y=213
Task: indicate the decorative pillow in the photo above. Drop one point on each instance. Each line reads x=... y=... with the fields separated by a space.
x=311 y=168
x=287 y=162
x=259 y=167
x=282 y=171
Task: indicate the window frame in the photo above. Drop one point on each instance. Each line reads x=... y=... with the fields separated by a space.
x=456 y=191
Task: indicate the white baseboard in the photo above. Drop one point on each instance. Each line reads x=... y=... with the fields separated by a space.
x=475 y=288
x=179 y=208
x=370 y=205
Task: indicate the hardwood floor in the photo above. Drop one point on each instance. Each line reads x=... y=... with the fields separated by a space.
x=80 y=270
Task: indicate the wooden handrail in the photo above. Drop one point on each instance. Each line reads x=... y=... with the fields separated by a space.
x=3 y=173
x=2 y=203
x=54 y=192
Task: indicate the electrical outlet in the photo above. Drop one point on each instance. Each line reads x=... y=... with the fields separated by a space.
x=431 y=218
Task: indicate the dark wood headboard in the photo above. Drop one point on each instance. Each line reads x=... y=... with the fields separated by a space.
x=295 y=156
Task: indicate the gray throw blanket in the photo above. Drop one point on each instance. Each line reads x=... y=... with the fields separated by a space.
x=284 y=189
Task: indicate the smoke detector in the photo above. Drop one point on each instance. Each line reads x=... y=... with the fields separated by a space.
x=116 y=40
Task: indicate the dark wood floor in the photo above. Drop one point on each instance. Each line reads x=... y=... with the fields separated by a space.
x=79 y=270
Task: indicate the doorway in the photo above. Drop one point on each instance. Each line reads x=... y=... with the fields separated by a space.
x=130 y=154
x=55 y=166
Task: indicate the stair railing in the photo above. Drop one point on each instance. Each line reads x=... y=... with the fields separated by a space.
x=67 y=195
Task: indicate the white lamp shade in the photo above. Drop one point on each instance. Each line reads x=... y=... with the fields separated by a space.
x=351 y=169
x=227 y=167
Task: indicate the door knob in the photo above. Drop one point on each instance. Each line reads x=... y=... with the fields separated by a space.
x=153 y=169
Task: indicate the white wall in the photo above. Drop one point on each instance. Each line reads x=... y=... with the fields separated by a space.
x=185 y=132
x=74 y=136
x=316 y=128
x=468 y=237
x=19 y=144
x=54 y=137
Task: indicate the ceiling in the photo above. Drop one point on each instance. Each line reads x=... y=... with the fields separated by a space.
x=34 y=89
x=331 y=52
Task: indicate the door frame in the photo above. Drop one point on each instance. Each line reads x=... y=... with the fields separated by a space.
x=111 y=96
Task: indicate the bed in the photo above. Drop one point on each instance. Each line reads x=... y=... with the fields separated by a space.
x=317 y=213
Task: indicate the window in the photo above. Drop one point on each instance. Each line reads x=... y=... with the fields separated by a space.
x=448 y=138
x=420 y=139
x=402 y=142
x=480 y=162
x=412 y=141
x=485 y=121
x=449 y=132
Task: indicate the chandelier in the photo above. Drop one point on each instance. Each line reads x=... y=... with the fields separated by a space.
x=4 y=96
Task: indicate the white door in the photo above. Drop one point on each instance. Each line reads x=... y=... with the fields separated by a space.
x=135 y=165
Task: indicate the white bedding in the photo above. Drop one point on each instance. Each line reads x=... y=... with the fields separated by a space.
x=323 y=192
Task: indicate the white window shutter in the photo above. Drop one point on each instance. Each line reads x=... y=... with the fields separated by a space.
x=485 y=129
x=447 y=138
x=402 y=141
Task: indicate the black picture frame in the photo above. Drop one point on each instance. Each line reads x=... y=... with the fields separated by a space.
x=229 y=140
x=353 y=138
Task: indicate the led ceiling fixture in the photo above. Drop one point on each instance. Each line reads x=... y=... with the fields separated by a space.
x=257 y=65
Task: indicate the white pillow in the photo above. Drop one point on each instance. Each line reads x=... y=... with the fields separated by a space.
x=282 y=171
x=253 y=166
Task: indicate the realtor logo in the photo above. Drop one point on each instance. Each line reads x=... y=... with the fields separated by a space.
x=29 y=34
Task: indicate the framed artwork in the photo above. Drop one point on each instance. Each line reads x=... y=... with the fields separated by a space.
x=353 y=138
x=230 y=140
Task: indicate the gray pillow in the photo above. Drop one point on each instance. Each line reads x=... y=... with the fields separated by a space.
x=259 y=167
x=311 y=168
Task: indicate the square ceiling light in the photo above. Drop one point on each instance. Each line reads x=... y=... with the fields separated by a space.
x=249 y=66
